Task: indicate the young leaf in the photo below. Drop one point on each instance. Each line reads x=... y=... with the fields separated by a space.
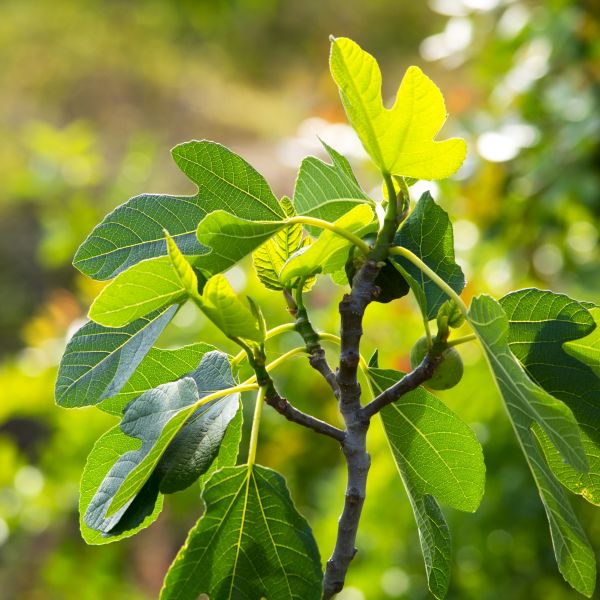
x=149 y=285
x=157 y=418
x=134 y=232
x=226 y=181
x=399 y=140
x=527 y=405
x=432 y=446
x=220 y=304
x=218 y=300
x=330 y=251
x=98 y=360
x=325 y=191
x=158 y=367
x=142 y=512
x=253 y=538
x=231 y=238
x=587 y=349
x=541 y=326
x=428 y=233
x=269 y=258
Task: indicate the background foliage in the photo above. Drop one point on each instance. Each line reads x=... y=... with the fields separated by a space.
x=94 y=95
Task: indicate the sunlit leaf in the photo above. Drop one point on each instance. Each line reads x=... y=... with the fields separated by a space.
x=253 y=538
x=330 y=251
x=231 y=238
x=432 y=446
x=530 y=405
x=98 y=360
x=226 y=181
x=541 y=326
x=147 y=286
x=587 y=349
x=327 y=191
x=400 y=140
x=134 y=231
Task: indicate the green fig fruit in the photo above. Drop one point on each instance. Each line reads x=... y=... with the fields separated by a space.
x=447 y=374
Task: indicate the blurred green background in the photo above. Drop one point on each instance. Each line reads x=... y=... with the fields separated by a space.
x=93 y=96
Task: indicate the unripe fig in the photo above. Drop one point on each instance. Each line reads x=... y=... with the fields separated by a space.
x=447 y=374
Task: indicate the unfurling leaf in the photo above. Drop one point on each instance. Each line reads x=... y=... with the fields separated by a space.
x=253 y=538
x=221 y=305
x=400 y=140
x=330 y=251
x=269 y=258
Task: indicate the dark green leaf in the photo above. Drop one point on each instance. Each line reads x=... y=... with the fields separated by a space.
x=327 y=191
x=428 y=233
x=134 y=232
x=541 y=326
x=530 y=405
x=98 y=360
x=253 y=538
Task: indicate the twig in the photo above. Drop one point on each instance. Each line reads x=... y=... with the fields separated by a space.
x=408 y=383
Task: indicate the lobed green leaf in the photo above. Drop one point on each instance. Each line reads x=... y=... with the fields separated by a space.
x=400 y=140
x=253 y=538
x=529 y=405
x=542 y=325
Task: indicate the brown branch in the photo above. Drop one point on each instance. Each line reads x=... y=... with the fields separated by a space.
x=358 y=461
x=291 y=413
x=408 y=383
